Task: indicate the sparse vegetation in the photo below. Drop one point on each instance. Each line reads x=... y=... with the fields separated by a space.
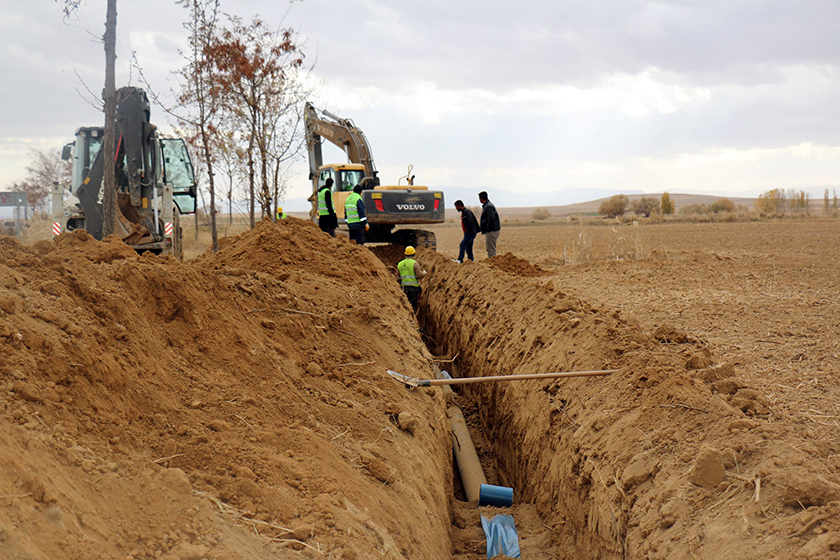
x=781 y=202
x=667 y=205
x=614 y=206
x=722 y=205
x=541 y=214
x=645 y=206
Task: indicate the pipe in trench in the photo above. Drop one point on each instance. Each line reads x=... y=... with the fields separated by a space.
x=469 y=467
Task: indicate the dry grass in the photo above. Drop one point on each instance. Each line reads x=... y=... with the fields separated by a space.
x=583 y=242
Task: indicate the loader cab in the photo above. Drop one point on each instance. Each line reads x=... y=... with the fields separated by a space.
x=83 y=153
x=178 y=172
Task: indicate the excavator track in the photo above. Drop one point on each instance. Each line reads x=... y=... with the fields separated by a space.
x=415 y=237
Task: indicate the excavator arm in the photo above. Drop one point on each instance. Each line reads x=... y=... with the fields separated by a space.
x=341 y=132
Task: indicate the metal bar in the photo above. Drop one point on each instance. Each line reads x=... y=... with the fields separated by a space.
x=465 y=380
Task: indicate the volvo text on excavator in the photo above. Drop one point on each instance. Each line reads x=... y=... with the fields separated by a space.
x=386 y=206
x=155 y=180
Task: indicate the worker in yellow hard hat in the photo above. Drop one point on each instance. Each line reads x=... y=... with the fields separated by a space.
x=410 y=274
x=280 y=214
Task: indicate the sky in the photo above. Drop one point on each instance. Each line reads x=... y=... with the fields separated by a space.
x=724 y=97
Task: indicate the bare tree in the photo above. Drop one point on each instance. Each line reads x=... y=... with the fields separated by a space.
x=255 y=68
x=199 y=93
x=45 y=170
x=109 y=199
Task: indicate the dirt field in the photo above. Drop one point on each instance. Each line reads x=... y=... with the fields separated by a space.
x=756 y=299
x=237 y=405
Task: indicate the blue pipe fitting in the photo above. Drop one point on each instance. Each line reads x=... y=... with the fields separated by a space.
x=497 y=496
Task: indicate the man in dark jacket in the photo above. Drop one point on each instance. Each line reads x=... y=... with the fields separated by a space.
x=327 y=219
x=490 y=224
x=470 y=226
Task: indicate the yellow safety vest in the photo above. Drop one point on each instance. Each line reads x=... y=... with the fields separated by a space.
x=323 y=193
x=407 y=276
x=351 y=211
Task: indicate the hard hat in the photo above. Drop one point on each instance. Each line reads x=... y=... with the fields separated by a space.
x=409 y=250
x=279 y=209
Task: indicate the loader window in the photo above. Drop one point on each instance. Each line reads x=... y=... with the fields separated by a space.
x=350 y=179
x=177 y=167
x=93 y=146
x=325 y=174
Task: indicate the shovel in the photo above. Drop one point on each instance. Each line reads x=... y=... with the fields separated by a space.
x=412 y=382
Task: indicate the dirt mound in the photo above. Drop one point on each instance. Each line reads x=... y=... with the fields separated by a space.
x=235 y=406
x=659 y=460
x=516 y=266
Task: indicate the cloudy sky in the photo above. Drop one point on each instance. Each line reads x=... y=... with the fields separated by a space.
x=728 y=97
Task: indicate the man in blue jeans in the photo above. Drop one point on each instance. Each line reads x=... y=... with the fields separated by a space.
x=470 y=226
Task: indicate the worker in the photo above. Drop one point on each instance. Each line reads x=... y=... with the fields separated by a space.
x=354 y=213
x=470 y=227
x=280 y=214
x=490 y=224
x=327 y=220
x=410 y=274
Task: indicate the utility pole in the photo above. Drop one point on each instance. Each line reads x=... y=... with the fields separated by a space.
x=109 y=201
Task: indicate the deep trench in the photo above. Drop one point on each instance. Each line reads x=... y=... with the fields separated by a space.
x=506 y=463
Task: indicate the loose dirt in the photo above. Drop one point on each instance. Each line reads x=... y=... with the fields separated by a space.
x=237 y=405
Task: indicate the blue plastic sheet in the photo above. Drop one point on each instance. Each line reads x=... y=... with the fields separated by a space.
x=501 y=536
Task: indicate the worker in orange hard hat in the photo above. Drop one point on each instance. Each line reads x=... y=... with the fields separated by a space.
x=410 y=274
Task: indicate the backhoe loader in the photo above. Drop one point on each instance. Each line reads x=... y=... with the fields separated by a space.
x=155 y=180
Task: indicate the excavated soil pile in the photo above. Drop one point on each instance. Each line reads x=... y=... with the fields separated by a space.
x=236 y=406
x=650 y=462
x=516 y=266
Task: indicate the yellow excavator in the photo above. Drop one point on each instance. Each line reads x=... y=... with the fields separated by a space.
x=386 y=206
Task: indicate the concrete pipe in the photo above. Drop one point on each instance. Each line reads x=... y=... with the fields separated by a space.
x=466 y=458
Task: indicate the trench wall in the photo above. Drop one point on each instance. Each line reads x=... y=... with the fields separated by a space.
x=573 y=447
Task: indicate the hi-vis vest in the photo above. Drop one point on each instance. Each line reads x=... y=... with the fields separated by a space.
x=407 y=277
x=351 y=211
x=281 y=215
x=323 y=193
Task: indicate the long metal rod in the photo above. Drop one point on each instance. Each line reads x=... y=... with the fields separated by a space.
x=465 y=380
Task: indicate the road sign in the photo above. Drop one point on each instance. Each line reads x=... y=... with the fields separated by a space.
x=14 y=199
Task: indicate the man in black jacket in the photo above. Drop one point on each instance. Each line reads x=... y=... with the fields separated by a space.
x=490 y=224
x=470 y=226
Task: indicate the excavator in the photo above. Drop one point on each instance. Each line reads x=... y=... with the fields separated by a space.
x=386 y=206
x=155 y=180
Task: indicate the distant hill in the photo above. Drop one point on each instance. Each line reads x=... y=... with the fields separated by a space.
x=590 y=207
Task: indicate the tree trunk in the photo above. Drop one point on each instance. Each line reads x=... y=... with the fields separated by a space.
x=109 y=199
x=213 y=231
x=251 y=175
x=265 y=203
